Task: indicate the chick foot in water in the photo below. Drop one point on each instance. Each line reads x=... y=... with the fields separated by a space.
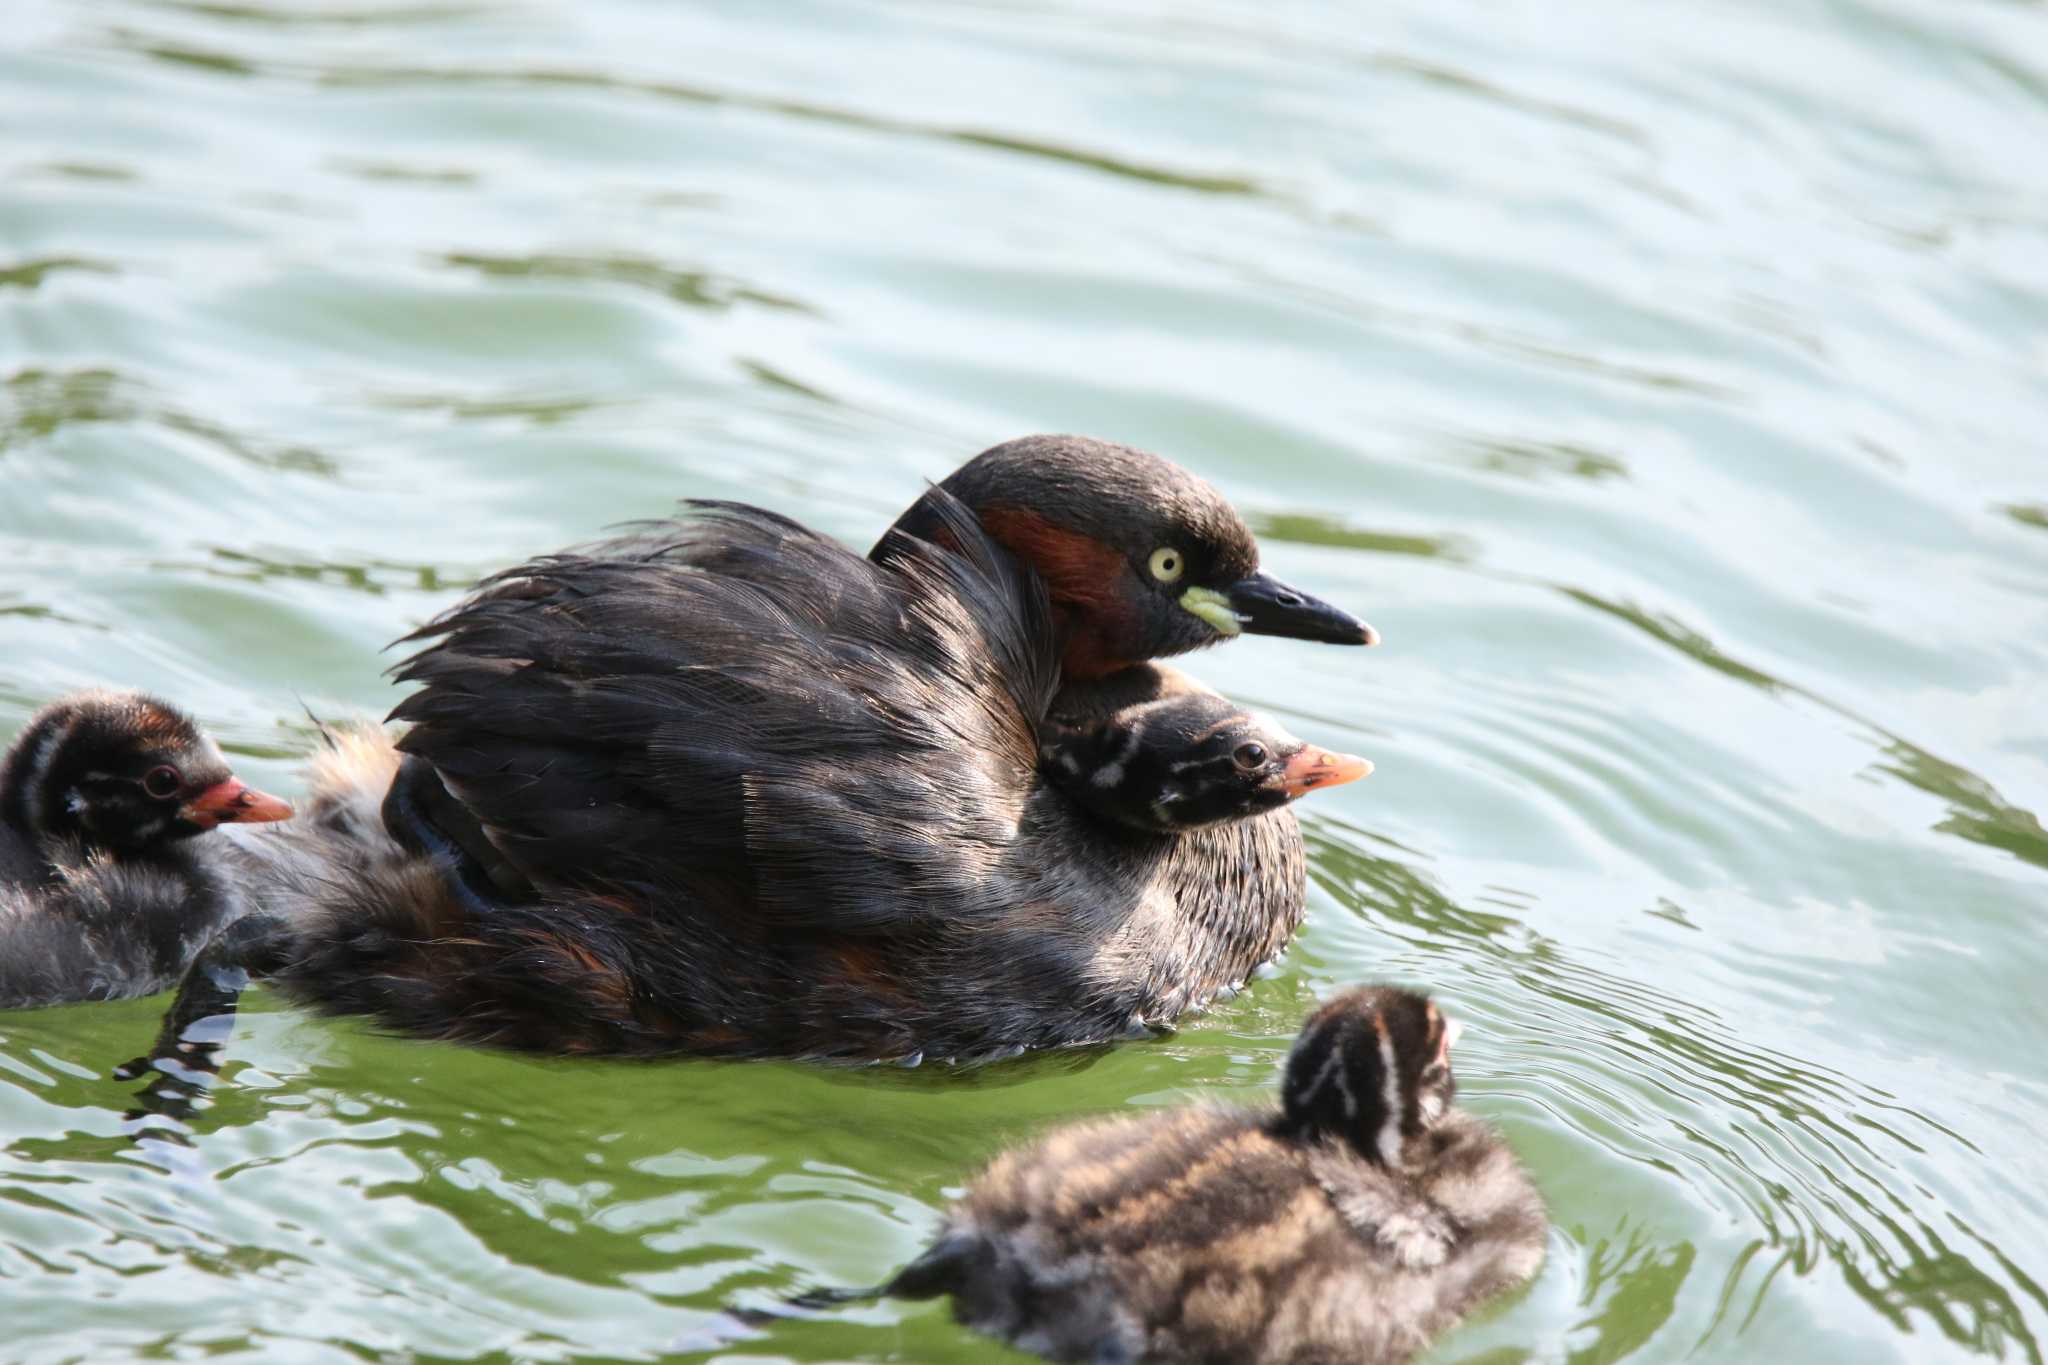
x=185 y=1060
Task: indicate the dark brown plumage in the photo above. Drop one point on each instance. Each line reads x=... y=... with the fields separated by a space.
x=1120 y=537
x=101 y=895
x=1351 y=1224
x=721 y=786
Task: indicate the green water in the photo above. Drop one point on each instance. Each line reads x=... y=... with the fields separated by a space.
x=1667 y=383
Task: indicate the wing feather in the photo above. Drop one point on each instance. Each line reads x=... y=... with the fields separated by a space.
x=729 y=702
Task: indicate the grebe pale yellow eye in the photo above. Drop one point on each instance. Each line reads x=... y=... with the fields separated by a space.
x=1168 y=564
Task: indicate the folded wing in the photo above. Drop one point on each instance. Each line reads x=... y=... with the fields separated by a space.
x=728 y=709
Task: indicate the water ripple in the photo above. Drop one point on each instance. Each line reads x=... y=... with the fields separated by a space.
x=1669 y=402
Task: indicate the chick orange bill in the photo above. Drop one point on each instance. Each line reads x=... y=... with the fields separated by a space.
x=1314 y=768
x=233 y=803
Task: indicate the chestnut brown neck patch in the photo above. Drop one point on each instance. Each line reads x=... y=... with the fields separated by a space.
x=1084 y=578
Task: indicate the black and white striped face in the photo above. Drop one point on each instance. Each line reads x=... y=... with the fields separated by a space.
x=1372 y=1066
x=123 y=772
x=1187 y=761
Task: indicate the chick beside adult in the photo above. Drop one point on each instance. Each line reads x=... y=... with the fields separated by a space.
x=103 y=893
x=1352 y=1223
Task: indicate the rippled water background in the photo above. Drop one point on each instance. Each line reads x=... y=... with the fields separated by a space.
x=1668 y=383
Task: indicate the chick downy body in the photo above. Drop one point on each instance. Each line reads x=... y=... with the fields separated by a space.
x=1352 y=1223
x=107 y=889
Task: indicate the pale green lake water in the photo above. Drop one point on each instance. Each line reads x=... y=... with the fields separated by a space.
x=1667 y=382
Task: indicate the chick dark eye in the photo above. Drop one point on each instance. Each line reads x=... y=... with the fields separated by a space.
x=162 y=782
x=1250 y=755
